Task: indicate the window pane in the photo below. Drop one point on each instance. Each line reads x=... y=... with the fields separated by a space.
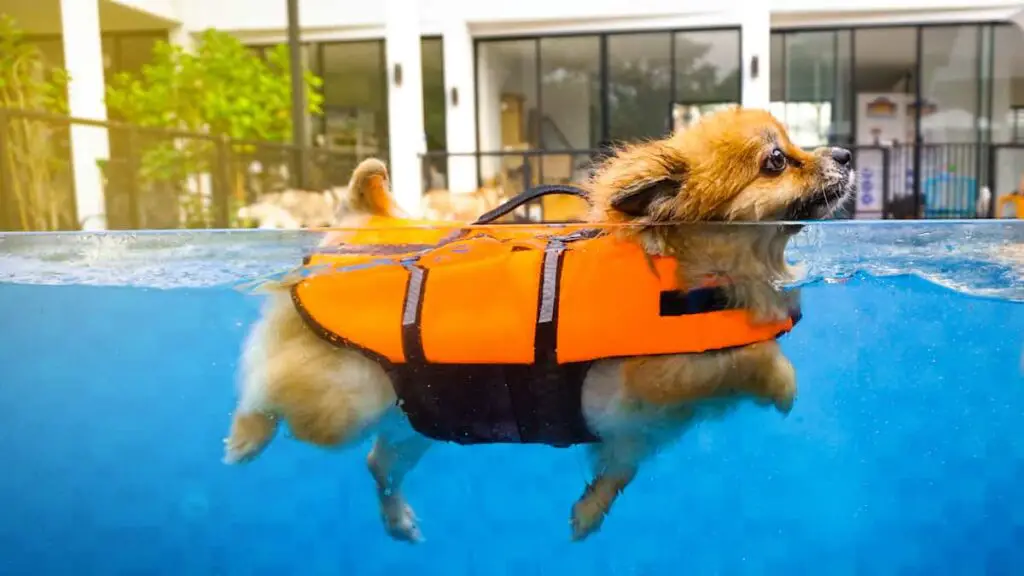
x=1008 y=86
x=885 y=63
x=949 y=84
x=885 y=67
x=134 y=52
x=506 y=104
x=507 y=85
x=1008 y=107
x=356 y=98
x=778 y=67
x=810 y=84
x=570 y=92
x=842 y=109
x=707 y=67
x=639 y=85
x=434 y=106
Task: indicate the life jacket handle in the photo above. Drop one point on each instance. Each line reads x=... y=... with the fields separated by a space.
x=528 y=196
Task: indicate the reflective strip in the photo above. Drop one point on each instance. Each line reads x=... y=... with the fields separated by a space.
x=412 y=296
x=550 y=277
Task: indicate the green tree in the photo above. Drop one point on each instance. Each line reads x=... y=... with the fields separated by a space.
x=222 y=89
x=36 y=158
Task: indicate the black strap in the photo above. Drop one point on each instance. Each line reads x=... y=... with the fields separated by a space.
x=528 y=196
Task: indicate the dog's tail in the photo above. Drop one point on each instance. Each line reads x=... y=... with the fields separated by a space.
x=369 y=190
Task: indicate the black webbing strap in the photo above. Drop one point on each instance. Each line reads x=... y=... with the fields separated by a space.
x=529 y=196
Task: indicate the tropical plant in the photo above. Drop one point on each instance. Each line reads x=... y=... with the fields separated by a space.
x=35 y=161
x=222 y=89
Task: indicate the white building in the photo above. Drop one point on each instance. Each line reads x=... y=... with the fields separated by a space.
x=936 y=83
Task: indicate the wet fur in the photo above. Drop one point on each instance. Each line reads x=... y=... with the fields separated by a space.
x=712 y=172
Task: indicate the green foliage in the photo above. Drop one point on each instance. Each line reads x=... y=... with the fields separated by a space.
x=223 y=89
x=25 y=81
x=34 y=156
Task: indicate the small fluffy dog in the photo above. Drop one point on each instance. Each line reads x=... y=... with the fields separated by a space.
x=738 y=165
x=444 y=205
x=294 y=209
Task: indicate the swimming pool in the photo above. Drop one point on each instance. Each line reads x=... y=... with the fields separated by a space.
x=903 y=454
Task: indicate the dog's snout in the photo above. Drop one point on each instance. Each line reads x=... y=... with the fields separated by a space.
x=842 y=156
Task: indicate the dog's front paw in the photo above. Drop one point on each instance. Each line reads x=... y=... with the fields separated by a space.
x=772 y=306
x=587 y=516
x=399 y=520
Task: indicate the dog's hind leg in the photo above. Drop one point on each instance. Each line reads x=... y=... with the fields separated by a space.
x=396 y=451
x=253 y=424
x=328 y=395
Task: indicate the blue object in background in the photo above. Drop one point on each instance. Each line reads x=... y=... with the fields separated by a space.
x=950 y=195
x=904 y=454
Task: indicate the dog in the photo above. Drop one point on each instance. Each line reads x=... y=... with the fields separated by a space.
x=296 y=209
x=293 y=209
x=670 y=197
x=444 y=205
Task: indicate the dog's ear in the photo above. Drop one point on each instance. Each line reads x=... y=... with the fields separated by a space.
x=636 y=200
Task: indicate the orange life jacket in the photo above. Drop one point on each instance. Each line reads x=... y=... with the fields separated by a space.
x=512 y=295
x=488 y=331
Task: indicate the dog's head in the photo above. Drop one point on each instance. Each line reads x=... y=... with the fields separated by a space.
x=735 y=165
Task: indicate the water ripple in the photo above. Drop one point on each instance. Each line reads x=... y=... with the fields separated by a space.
x=983 y=258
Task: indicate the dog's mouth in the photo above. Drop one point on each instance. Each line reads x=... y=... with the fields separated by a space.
x=822 y=202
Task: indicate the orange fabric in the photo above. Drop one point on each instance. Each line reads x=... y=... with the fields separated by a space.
x=1011 y=201
x=388 y=230
x=484 y=309
x=481 y=296
x=361 y=305
x=609 y=306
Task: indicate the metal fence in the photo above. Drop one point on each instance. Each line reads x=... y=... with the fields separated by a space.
x=154 y=178
x=896 y=182
x=157 y=178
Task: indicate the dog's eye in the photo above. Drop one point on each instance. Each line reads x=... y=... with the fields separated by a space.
x=775 y=162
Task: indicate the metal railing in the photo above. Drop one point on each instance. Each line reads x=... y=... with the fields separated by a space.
x=154 y=177
x=158 y=178
x=896 y=182
x=510 y=172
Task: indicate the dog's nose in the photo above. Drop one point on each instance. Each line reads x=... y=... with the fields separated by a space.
x=842 y=156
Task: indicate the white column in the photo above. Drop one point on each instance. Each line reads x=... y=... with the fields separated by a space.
x=460 y=122
x=755 y=38
x=405 y=102
x=83 y=60
x=180 y=36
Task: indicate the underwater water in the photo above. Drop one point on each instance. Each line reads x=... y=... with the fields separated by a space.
x=904 y=452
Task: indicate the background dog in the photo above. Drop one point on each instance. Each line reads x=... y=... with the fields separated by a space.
x=734 y=166
x=294 y=209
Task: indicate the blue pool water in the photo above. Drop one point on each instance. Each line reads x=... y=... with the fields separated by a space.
x=904 y=453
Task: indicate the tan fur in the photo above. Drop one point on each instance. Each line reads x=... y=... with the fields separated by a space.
x=443 y=205
x=367 y=194
x=714 y=172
